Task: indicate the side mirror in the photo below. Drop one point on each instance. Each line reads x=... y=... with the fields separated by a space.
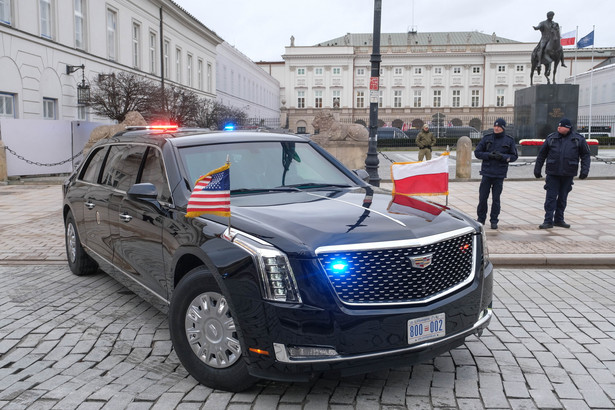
x=361 y=173
x=144 y=192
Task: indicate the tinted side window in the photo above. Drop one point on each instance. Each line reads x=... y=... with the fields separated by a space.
x=91 y=170
x=122 y=166
x=154 y=173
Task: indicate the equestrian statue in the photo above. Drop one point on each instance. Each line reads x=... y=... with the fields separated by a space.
x=549 y=50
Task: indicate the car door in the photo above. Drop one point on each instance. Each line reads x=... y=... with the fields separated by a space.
x=94 y=230
x=140 y=228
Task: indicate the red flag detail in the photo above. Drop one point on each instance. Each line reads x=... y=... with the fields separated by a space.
x=421 y=178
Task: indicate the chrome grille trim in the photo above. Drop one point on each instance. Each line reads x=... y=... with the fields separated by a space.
x=372 y=286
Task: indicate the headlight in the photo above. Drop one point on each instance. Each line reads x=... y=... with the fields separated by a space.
x=483 y=239
x=276 y=276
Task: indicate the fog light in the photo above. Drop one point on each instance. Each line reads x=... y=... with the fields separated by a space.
x=288 y=354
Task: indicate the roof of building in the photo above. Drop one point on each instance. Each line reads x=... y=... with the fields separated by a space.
x=416 y=38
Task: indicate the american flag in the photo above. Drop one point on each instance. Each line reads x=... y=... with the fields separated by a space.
x=211 y=194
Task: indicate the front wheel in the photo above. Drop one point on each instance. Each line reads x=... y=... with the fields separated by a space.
x=204 y=334
x=79 y=262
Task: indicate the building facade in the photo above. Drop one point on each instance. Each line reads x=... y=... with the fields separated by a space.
x=463 y=78
x=241 y=83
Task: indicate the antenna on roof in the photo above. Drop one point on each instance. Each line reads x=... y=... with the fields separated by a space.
x=412 y=28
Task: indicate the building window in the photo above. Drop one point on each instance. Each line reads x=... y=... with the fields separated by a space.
x=300 y=71
x=49 y=108
x=360 y=99
x=167 y=47
x=475 y=98
x=300 y=99
x=5 y=11
x=475 y=70
x=337 y=98
x=199 y=73
x=318 y=71
x=499 y=99
x=209 y=77
x=501 y=69
x=380 y=98
x=456 y=98
x=398 y=71
x=437 y=70
x=437 y=98
x=80 y=24
x=7 y=105
x=82 y=113
x=417 y=102
x=152 y=52
x=111 y=35
x=136 y=45
x=520 y=68
x=189 y=68
x=456 y=70
x=178 y=65
x=360 y=72
x=397 y=94
x=318 y=99
x=46 y=18
x=418 y=70
x=337 y=71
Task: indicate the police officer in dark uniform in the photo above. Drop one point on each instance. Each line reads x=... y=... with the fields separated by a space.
x=496 y=150
x=562 y=151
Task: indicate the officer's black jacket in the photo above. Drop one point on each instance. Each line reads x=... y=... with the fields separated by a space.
x=502 y=143
x=562 y=154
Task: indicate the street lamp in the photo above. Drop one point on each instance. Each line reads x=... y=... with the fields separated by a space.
x=83 y=89
x=371 y=161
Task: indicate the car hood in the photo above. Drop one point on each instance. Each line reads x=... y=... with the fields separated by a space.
x=301 y=221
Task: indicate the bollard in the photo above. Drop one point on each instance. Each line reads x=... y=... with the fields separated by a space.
x=464 y=158
x=3 y=166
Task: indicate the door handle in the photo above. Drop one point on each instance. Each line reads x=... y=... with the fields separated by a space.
x=89 y=205
x=125 y=217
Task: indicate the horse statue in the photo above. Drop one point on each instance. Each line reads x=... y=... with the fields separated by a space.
x=552 y=53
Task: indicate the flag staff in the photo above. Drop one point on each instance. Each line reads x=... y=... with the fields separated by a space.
x=228 y=162
x=576 y=56
x=591 y=85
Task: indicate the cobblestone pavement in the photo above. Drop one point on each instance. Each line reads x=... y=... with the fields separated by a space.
x=69 y=342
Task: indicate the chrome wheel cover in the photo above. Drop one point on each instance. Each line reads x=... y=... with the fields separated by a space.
x=71 y=242
x=211 y=332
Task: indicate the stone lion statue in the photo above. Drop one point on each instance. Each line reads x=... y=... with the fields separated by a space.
x=107 y=131
x=333 y=130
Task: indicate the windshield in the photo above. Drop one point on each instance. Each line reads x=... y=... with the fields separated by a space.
x=264 y=165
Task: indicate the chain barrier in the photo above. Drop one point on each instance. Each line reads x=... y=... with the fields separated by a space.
x=385 y=156
x=40 y=164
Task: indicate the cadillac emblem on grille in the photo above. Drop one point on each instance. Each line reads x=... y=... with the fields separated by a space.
x=422 y=261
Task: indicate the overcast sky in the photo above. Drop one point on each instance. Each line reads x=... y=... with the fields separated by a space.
x=261 y=29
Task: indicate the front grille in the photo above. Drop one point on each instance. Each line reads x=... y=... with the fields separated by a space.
x=386 y=276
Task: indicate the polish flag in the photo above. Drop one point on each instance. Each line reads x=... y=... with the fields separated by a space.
x=421 y=178
x=406 y=205
x=568 y=38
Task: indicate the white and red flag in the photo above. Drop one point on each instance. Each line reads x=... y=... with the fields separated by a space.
x=568 y=39
x=421 y=178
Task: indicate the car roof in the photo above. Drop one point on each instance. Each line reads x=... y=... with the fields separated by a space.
x=182 y=137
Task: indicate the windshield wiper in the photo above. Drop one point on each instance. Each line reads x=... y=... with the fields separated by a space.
x=261 y=190
x=307 y=185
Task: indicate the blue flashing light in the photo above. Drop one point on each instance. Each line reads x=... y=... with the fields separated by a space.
x=229 y=127
x=339 y=267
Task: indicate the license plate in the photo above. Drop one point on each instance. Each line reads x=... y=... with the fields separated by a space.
x=426 y=328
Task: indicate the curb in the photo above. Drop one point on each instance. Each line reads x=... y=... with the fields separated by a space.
x=553 y=260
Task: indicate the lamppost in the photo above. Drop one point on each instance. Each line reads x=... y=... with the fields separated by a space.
x=83 y=89
x=371 y=162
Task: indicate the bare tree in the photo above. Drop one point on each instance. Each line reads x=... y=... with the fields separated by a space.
x=175 y=105
x=215 y=115
x=115 y=95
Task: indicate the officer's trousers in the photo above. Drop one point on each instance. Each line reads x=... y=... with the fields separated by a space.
x=495 y=186
x=557 y=188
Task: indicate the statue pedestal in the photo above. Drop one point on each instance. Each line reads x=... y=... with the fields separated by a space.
x=539 y=108
x=350 y=153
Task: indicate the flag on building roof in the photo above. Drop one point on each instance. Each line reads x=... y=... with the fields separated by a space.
x=211 y=194
x=421 y=178
x=586 y=41
x=567 y=39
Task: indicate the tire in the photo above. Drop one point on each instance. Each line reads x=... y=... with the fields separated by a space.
x=206 y=340
x=79 y=262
